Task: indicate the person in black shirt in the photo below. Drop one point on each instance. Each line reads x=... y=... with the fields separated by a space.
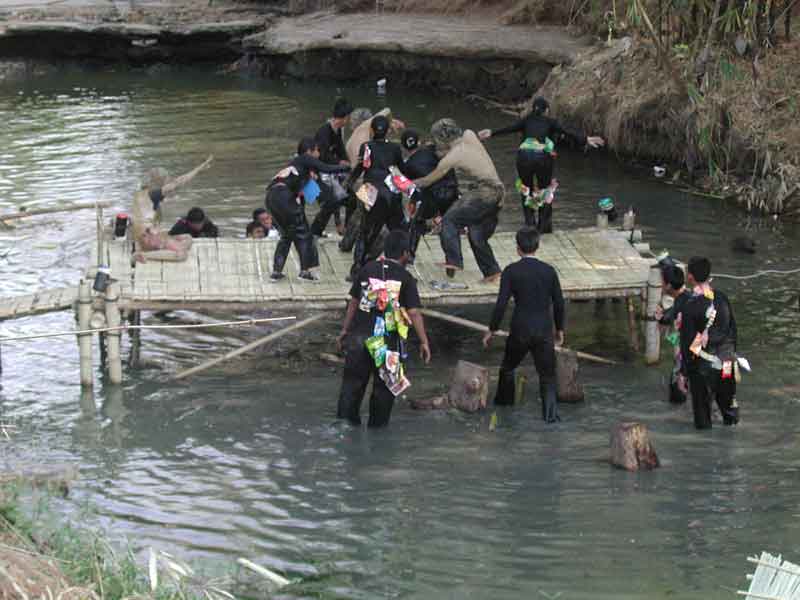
x=332 y=151
x=708 y=347
x=374 y=159
x=384 y=300
x=436 y=199
x=284 y=200
x=196 y=224
x=673 y=285
x=535 y=156
x=536 y=290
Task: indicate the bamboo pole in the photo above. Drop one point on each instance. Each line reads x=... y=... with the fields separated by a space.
x=136 y=339
x=47 y=211
x=435 y=314
x=85 y=339
x=251 y=346
x=632 y=329
x=113 y=355
x=652 y=337
x=101 y=260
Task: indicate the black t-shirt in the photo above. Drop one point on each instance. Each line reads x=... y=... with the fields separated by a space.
x=386 y=270
x=382 y=155
x=438 y=197
x=299 y=170
x=540 y=127
x=182 y=226
x=331 y=144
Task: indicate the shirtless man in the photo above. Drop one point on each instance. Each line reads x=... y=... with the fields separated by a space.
x=152 y=242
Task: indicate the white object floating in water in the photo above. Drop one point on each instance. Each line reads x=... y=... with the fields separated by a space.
x=273 y=577
x=774 y=579
x=382 y=86
x=659 y=171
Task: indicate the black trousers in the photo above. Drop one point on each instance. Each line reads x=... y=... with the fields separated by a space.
x=706 y=383
x=480 y=219
x=358 y=368
x=535 y=169
x=386 y=212
x=290 y=218
x=328 y=206
x=544 y=359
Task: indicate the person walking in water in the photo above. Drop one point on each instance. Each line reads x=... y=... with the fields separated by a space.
x=480 y=201
x=285 y=202
x=536 y=290
x=535 y=157
x=153 y=243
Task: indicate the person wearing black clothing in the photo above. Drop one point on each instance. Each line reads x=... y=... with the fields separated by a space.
x=366 y=319
x=536 y=290
x=708 y=347
x=673 y=285
x=374 y=159
x=332 y=151
x=288 y=208
x=535 y=155
x=436 y=199
x=196 y=224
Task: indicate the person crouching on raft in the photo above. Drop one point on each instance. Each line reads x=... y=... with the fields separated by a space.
x=535 y=160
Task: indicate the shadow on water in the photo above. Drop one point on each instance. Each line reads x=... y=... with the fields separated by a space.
x=248 y=460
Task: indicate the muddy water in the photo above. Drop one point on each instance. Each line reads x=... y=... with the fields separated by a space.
x=248 y=461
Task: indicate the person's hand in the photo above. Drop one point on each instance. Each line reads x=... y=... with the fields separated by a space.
x=485 y=134
x=487 y=337
x=559 y=341
x=208 y=162
x=139 y=257
x=340 y=340
x=344 y=163
x=425 y=352
x=397 y=124
x=595 y=141
x=659 y=312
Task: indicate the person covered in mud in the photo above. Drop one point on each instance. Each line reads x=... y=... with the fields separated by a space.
x=436 y=199
x=330 y=138
x=708 y=347
x=538 y=310
x=286 y=203
x=480 y=200
x=383 y=206
x=152 y=243
x=384 y=301
x=535 y=155
x=673 y=286
x=196 y=224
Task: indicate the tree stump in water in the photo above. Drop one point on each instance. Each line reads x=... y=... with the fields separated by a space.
x=469 y=388
x=631 y=448
x=568 y=388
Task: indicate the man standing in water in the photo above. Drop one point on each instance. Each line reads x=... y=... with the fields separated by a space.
x=384 y=300
x=708 y=347
x=536 y=290
x=481 y=197
x=152 y=243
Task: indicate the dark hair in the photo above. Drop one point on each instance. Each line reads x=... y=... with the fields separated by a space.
x=673 y=276
x=251 y=227
x=379 y=126
x=341 y=108
x=196 y=215
x=306 y=144
x=540 y=105
x=409 y=139
x=258 y=212
x=700 y=268
x=395 y=244
x=528 y=240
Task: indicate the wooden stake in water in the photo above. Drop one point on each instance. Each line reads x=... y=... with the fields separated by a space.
x=113 y=355
x=85 y=339
x=652 y=336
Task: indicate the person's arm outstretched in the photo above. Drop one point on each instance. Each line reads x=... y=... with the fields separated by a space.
x=174 y=184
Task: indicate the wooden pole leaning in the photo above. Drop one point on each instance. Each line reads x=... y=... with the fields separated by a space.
x=85 y=339
x=652 y=336
x=251 y=346
x=113 y=354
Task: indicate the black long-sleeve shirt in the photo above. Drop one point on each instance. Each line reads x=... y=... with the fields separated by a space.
x=440 y=196
x=182 y=226
x=331 y=144
x=722 y=335
x=535 y=288
x=540 y=127
x=295 y=175
x=383 y=154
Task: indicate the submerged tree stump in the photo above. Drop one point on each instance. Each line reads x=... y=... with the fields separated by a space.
x=568 y=388
x=631 y=448
x=469 y=388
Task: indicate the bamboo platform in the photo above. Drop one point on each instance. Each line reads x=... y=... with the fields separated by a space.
x=43 y=301
x=233 y=274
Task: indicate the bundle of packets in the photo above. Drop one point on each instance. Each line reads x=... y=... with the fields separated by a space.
x=548 y=147
x=367 y=194
x=537 y=198
x=397 y=182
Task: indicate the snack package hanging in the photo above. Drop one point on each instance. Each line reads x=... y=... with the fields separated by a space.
x=391 y=323
x=401 y=182
x=366 y=162
x=389 y=182
x=367 y=195
x=379 y=328
x=400 y=386
x=392 y=361
x=376 y=346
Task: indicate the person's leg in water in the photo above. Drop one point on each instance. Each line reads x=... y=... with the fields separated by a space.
x=724 y=390
x=544 y=358
x=516 y=349
x=543 y=172
x=478 y=236
x=358 y=368
x=381 y=402
x=701 y=399
x=526 y=160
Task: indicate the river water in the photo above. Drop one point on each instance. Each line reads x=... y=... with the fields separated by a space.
x=249 y=461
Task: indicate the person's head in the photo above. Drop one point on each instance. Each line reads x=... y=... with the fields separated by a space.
x=410 y=140
x=261 y=216
x=698 y=269
x=155 y=179
x=308 y=145
x=196 y=219
x=527 y=241
x=341 y=112
x=359 y=115
x=445 y=132
x=380 y=127
x=540 y=106
x=396 y=246
x=672 y=279
x=255 y=230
